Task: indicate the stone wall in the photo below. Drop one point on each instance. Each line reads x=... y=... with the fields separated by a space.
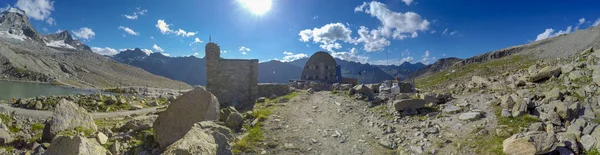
x=267 y=89
x=233 y=81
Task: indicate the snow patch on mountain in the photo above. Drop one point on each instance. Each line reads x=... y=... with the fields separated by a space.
x=59 y=44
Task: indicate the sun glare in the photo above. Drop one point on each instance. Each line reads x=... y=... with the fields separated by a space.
x=258 y=7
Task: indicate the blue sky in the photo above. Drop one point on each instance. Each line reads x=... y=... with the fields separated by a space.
x=380 y=32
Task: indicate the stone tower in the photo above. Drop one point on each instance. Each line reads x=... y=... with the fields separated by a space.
x=212 y=56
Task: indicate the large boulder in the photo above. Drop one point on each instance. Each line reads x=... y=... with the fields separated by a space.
x=67 y=116
x=77 y=145
x=400 y=105
x=545 y=74
x=224 y=113
x=363 y=89
x=5 y=137
x=534 y=142
x=201 y=139
x=194 y=106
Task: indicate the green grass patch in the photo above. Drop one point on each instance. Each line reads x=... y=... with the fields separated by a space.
x=248 y=143
x=383 y=111
x=120 y=90
x=87 y=132
x=5 y=118
x=8 y=148
x=593 y=151
x=13 y=129
x=37 y=127
x=255 y=137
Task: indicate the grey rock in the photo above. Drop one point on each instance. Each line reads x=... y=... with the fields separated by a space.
x=508 y=101
x=505 y=113
x=5 y=137
x=140 y=123
x=115 y=148
x=224 y=113
x=519 y=108
x=566 y=68
x=589 y=128
x=480 y=81
x=282 y=100
x=193 y=106
x=101 y=137
x=554 y=94
x=470 y=116
x=261 y=99
x=235 y=121
x=551 y=117
x=363 y=89
x=67 y=116
x=77 y=145
x=534 y=142
x=451 y=109
x=200 y=140
x=537 y=126
x=387 y=143
x=587 y=142
x=545 y=74
x=400 y=105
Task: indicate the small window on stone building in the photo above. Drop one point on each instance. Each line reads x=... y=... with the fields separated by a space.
x=316 y=77
x=307 y=67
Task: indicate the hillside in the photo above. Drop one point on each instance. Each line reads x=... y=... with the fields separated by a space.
x=562 y=46
x=59 y=59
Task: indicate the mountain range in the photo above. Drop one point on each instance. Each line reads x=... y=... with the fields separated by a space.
x=27 y=55
x=192 y=70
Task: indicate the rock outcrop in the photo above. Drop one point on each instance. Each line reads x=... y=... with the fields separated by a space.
x=67 y=116
x=194 y=106
x=75 y=145
x=203 y=138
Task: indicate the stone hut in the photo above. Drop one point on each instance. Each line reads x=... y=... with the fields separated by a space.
x=233 y=81
x=321 y=67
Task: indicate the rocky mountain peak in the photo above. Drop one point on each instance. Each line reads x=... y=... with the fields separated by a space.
x=15 y=24
x=64 y=40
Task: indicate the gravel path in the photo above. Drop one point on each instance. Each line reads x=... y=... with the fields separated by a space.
x=321 y=123
x=38 y=114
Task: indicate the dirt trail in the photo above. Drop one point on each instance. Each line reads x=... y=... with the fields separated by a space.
x=322 y=123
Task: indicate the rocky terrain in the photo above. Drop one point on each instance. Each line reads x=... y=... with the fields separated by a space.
x=58 y=58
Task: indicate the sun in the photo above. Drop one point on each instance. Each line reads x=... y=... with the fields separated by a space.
x=257 y=7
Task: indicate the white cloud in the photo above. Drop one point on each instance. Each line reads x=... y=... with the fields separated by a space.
x=128 y=30
x=289 y=56
x=597 y=22
x=195 y=54
x=163 y=26
x=445 y=31
x=223 y=51
x=581 y=21
x=244 y=53
x=316 y=17
x=244 y=49
x=37 y=9
x=182 y=33
x=157 y=48
x=327 y=35
x=361 y=7
x=398 y=25
x=549 y=33
x=135 y=14
x=407 y=2
x=50 y=21
x=104 y=51
x=453 y=33
x=196 y=40
x=165 y=29
x=351 y=55
x=373 y=41
x=166 y=54
x=84 y=33
x=426 y=59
